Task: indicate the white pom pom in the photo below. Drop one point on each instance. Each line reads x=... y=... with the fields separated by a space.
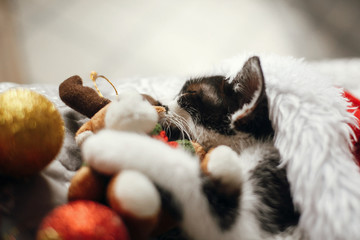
x=131 y=112
x=136 y=194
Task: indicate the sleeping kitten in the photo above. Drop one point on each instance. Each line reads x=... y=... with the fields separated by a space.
x=215 y=111
x=245 y=195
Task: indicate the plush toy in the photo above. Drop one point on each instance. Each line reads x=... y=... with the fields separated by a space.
x=131 y=194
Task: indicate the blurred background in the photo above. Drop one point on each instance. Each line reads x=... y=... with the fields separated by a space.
x=46 y=41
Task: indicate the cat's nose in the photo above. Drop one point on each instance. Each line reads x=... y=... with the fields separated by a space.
x=166 y=108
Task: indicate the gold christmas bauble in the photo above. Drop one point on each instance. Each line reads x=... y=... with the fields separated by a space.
x=31 y=132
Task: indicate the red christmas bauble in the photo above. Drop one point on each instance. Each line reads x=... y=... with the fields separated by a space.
x=82 y=219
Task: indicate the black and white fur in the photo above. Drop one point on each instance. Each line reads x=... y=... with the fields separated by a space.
x=246 y=195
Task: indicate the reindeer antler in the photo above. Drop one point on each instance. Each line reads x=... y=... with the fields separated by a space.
x=83 y=99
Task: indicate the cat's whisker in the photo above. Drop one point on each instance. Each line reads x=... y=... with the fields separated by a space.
x=174 y=120
x=181 y=124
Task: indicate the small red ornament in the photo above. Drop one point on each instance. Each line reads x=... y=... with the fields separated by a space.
x=162 y=137
x=82 y=219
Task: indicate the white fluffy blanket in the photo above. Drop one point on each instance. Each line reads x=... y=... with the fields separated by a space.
x=312 y=133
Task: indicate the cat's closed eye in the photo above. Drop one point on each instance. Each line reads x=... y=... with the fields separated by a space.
x=190 y=92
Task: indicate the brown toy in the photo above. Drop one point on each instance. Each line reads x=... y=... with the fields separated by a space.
x=83 y=99
x=90 y=185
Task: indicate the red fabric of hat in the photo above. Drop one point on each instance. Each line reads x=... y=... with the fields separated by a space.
x=355 y=109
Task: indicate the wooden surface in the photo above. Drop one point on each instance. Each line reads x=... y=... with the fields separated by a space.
x=9 y=55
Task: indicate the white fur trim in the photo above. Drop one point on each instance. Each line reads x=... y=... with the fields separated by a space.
x=136 y=194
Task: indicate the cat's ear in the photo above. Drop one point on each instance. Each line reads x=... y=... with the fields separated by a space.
x=250 y=86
